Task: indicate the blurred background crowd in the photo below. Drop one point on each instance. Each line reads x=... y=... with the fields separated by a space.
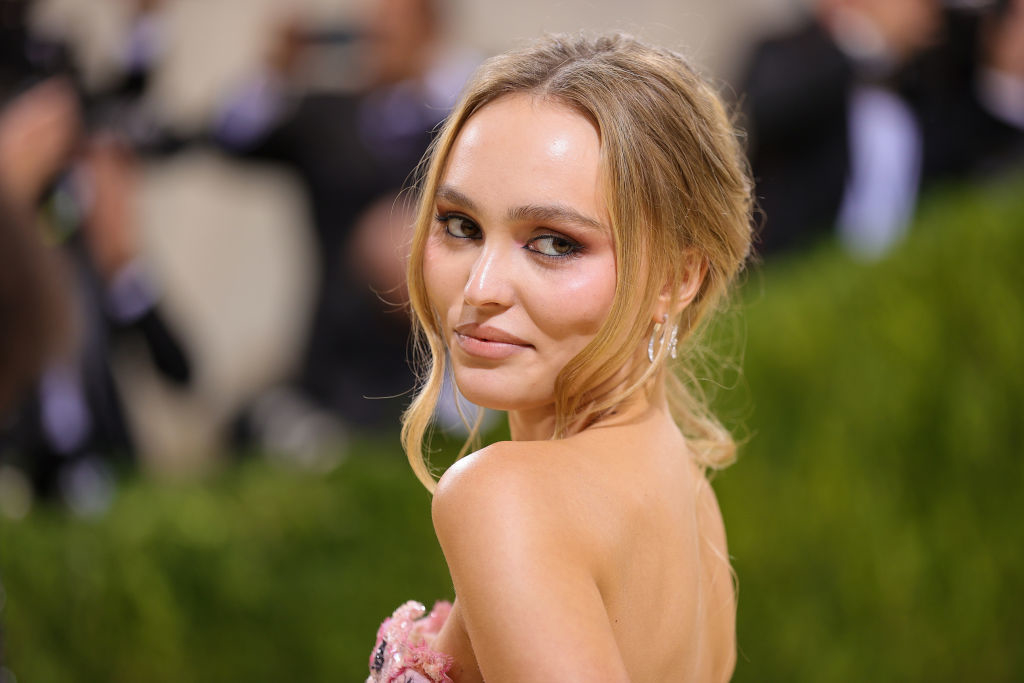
x=343 y=111
x=228 y=274
x=204 y=205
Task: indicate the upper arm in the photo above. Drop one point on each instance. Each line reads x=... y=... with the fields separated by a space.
x=523 y=576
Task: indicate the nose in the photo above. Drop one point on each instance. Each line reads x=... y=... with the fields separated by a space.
x=491 y=278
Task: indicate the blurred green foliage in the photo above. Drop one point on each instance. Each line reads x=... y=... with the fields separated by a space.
x=262 y=574
x=874 y=515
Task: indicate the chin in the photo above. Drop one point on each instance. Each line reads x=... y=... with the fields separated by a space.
x=500 y=390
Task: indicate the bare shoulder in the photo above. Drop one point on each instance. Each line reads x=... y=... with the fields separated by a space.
x=522 y=566
x=505 y=485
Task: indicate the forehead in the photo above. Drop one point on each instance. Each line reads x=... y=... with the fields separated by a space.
x=525 y=149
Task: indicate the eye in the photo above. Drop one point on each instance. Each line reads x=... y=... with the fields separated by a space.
x=459 y=226
x=555 y=246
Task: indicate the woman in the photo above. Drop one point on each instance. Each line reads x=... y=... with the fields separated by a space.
x=584 y=208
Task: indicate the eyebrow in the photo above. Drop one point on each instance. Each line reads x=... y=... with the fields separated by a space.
x=540 y=213
x=450 y=194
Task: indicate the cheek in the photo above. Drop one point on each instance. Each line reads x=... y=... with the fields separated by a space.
x=580 y=303
x=440 y=276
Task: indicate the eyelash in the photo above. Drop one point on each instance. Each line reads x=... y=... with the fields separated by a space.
x=575 y=248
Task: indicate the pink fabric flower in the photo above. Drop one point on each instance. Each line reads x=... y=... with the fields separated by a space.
x=402 y=653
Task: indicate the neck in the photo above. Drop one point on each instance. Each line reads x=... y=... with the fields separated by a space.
x=534 y=424
x=538 y=424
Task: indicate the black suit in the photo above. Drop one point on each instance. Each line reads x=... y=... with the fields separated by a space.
x=348 y=153
x=797 y=97
x=798 y=90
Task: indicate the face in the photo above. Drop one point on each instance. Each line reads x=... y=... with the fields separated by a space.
x=907 y=26
x=520 y=262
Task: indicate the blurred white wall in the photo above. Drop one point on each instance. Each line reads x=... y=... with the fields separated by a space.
x=232 y=249
x=231 y=245
x=711 y=32
x=213 y=42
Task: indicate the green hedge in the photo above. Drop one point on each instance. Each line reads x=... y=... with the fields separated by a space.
x=874 y=515
x=260 y=575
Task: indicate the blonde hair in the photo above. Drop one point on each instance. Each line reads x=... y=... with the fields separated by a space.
x=677 y=185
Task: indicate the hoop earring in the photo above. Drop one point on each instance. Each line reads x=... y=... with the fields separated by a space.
x=650 y=343
x=658 y=333
x=673 y=339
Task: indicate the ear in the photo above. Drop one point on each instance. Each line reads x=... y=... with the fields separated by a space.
x=695 y=269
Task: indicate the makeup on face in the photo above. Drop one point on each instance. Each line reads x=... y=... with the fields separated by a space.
x=520 y=263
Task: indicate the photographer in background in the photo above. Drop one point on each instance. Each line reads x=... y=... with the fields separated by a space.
x=74 y=184
x=1000 y=89
x=353 y=150
x=834 y=140
x=36 y=135
x=868 y=101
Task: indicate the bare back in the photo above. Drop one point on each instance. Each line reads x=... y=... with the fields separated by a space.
x=667 y=584
x=643 y=525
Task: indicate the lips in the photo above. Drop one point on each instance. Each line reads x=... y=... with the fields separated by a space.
x=489 y=334
x=488 y=342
